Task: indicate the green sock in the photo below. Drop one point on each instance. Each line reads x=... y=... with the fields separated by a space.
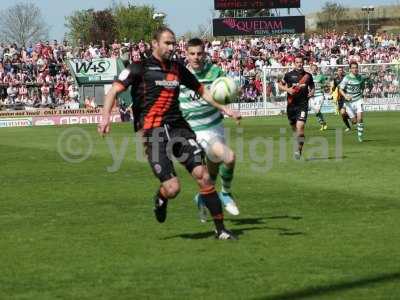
x=226 y=178
x=360 y=129
x=320 y=118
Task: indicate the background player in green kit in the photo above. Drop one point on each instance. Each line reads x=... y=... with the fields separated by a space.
x=318 y=99
x=352 y=88
x=206 y=122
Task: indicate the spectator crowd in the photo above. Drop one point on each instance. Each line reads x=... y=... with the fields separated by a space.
x=37 y=75
x=244 y=59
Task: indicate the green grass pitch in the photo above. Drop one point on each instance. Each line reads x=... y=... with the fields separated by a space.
x=327 y=227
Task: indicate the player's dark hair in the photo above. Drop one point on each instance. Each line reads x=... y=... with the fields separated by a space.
x=157 y=34
x=195 y=42
x=299 y=56
x=353 y=63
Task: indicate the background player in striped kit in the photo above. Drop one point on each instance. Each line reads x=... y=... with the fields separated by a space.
x=352 y=88
x=206 y=122
x=320 y=81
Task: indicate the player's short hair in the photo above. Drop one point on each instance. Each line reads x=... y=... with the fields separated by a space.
x=299 y=56
x=195 y=42
x=157 y=34
x=353 y=63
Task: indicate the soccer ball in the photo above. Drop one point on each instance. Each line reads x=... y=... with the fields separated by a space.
x=224 y=90
x=157 y=16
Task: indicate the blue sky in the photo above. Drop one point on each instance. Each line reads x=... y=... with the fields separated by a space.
x=182 y=15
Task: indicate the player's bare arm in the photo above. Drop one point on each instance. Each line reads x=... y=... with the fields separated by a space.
x=283 y=87
x=345 y=96
x=311 y=93
x=109 y=101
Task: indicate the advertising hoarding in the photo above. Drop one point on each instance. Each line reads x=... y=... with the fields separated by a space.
x=258 y=26
x=255 y=4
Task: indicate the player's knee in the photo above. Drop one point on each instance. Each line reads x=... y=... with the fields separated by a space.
x=171 y=189
x=229 y=158
x=300 y=132
x=300 y=127
x=201 y=175
x=197 y=172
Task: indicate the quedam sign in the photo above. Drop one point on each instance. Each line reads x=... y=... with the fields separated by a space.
x=255 y=4
x=259 y=26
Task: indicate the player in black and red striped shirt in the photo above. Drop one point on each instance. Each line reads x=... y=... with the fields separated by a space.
x=155 y=87
x=299 y=86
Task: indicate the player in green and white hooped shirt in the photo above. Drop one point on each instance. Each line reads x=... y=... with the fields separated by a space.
x=206 y=122
x=318 y=99
x=352 y=88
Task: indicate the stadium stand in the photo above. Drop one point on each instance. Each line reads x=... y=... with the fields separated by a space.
x=37 y=76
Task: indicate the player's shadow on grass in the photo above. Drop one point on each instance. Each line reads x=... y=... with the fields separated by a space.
x=259 y=220
x=281 y=230
x=285 y=217
x=246 y=221
x=325 y=158
x=238 y=232
x=318 y=291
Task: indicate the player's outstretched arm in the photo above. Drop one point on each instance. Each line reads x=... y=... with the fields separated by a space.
x=109 y=101
x=206 y=95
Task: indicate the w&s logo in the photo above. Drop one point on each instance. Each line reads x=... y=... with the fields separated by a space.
x=92 y=67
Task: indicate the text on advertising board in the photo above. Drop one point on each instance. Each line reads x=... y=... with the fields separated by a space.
x=258 y=26
x=255 y=4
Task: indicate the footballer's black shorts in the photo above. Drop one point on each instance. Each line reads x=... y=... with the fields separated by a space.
x=162 y=144
x=297 y=113
x=340 y=103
